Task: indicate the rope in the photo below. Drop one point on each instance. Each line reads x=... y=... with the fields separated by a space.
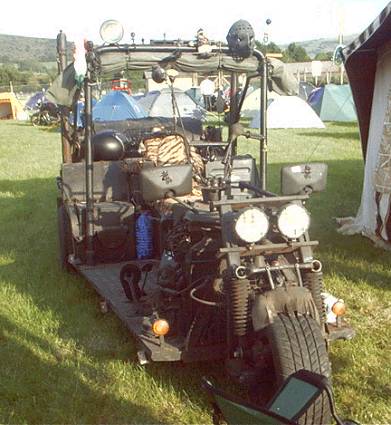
x=176 y=110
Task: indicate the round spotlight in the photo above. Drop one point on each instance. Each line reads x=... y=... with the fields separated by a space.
x=293 y=221
x=111 y=31
x=251 y=225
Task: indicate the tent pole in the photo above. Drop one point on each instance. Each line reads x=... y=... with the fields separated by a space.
x=233 y=108
x=263 y=127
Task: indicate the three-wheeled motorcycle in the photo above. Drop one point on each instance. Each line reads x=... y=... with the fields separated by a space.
x=179 y=234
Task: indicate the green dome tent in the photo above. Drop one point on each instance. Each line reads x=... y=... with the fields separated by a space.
x=333 y=103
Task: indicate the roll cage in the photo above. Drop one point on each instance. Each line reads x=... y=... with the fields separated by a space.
x=105 y=60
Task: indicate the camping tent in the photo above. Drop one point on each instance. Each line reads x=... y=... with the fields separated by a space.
x=368 y=65
x=10 y=107
x=333 y=103
x=117 y=106
x=159 y=104
x=79 y=113
x=252 y=102
x=195 y=94
x=34 y=100
x=289 y=112
x=305 y=89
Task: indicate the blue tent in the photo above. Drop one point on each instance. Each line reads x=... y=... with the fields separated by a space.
x=117 y=106
x=333 y=103
x=80 y=113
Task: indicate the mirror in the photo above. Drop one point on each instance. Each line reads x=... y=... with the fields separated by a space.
x=295 y=397
x=303 y=178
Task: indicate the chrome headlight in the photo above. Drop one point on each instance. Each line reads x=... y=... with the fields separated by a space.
x=251 y=225
x=111 y=31
x=293 y=221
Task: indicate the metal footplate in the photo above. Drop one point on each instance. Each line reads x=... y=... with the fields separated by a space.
x=105 y=279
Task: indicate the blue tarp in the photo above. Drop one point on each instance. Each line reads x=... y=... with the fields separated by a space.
x=32 y=103
x=117 y=106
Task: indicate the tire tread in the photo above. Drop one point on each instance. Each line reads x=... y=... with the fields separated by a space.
x=297 y=343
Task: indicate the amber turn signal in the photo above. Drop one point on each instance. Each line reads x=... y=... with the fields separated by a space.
x=339 y=308
x=160 y=327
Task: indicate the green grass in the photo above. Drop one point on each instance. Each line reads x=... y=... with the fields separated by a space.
x=63 y=362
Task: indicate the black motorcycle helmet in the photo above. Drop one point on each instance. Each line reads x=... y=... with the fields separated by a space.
x=158 y=74
x=241 y=39
x=108 y=145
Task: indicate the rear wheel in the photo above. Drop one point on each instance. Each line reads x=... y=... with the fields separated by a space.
x=297 y=343
x=64 y=238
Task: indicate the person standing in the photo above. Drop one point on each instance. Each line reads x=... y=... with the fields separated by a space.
x=207 y=88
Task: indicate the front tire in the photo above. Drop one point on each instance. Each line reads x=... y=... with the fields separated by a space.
x=36 y=119
x=297 y=343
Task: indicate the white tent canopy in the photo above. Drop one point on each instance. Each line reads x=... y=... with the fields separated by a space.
x=252 y=102
x=375 y=199
x=289 y=112
x=373 y=50
x=159 y=104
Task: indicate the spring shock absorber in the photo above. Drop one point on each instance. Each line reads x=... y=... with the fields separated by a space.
x=313 y=280
x=239 y=302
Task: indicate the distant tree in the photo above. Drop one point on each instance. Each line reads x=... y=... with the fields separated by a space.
x=4 y=58
x=52 y=73
x=324 y=56
x=295 y=53
x=268 y=48
x=31 y=65
x=8 y=73
x=137 y=79
x=24 y=80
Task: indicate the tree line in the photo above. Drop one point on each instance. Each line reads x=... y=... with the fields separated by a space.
x=293 y=53
x=25 y=78
x=30 y=75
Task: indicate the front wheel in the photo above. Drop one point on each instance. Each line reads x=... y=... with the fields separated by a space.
x=297 y=343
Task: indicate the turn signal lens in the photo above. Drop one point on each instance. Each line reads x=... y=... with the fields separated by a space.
x=160 y=327
x=339 y=308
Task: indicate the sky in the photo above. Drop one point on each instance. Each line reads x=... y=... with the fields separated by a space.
x=296 y=20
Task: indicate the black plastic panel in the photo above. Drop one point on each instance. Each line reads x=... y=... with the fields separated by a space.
x=162 y=182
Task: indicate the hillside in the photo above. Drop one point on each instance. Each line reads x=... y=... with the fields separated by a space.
x=15 y=48
x=322 y=45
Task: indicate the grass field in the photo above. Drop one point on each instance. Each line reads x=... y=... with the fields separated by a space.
x=63 y=362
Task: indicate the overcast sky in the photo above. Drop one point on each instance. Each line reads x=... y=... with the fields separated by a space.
x=294 y=20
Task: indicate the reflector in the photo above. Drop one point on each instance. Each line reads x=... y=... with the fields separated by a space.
x=160 y=327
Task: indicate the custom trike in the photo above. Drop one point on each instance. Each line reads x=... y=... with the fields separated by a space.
x=179 y=234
